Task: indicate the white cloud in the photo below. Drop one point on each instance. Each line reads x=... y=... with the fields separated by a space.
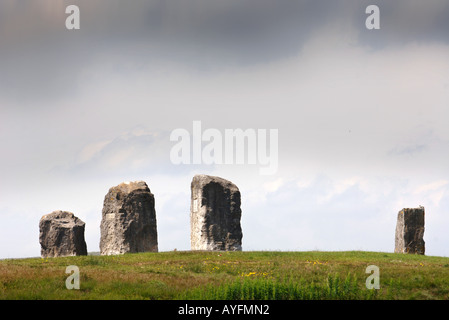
x=433 y=186
x=432 y=193
x=272 y=186
x=92 y=149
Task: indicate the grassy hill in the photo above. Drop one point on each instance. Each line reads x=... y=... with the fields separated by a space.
x=228 y=275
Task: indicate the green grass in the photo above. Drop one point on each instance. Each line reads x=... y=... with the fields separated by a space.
x=229 y=276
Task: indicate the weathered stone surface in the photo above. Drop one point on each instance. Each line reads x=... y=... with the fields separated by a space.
x=61 y=234
x=128 y=220
x=215 y=214
x=410 y=231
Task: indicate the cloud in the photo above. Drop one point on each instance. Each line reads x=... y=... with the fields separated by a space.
x=42 y=61
x=139 y=151
x=332 y=214
x=408 y=150
x=405 y=22
x=326 y=214
x=362 y=116
x=91 y=151
x=433 y=192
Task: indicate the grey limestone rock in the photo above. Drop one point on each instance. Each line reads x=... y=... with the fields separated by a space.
x=410 y=231
x=215 y=214
x=128 y=220
x=61 y=234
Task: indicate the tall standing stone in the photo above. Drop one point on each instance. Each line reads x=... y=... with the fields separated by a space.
x=410 y=231
x=61 y=234
x=128 y=220
x=215 y=214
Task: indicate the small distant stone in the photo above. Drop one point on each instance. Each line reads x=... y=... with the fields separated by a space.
x=410 y=231
x=61 y=234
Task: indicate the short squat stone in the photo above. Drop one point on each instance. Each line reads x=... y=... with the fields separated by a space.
x=61 y=234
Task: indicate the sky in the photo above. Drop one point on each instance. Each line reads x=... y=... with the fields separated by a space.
x=361 y=115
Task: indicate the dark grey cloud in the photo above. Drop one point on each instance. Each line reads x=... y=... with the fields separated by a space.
x=41 y=60
x=403 y=22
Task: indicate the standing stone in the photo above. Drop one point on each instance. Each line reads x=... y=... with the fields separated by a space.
x=129 y=220
x=410 y=231
x=215 y=214
x=61 y=234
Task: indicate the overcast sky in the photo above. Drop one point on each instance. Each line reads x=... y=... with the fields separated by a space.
x=362 y=115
